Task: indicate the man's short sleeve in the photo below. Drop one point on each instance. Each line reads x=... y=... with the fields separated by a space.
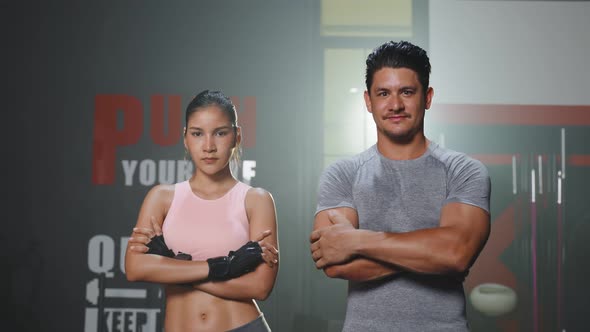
x=469 y=183
x=335 y=187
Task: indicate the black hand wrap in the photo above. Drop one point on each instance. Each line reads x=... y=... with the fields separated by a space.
x=157 y=246
x=218 y=268
x=245 y=259
x=183 y=257
x=236 y=263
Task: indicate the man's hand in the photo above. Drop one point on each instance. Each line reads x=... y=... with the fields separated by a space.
x=333 y=244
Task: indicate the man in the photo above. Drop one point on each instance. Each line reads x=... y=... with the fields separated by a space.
x=404 y=220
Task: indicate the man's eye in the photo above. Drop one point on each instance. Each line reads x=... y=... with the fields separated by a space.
x=197 y=133
x=221 y=133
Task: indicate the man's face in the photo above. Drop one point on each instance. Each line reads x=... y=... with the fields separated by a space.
x=397 y=102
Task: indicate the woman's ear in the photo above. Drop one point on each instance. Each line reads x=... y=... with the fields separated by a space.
x=238 y=136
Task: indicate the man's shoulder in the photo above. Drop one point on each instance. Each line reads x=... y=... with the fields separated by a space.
x=458 y=162
x=451 y=157
x=352 y=163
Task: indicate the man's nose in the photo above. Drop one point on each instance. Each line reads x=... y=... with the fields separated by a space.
x=395 y=103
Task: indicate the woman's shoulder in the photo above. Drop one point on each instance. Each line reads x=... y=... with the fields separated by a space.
x=257 y=194
x=163 y=189
x=162 y=192
x=258 y=191
x=260 y=205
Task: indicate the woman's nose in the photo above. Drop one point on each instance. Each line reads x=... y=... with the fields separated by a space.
x=209 y=144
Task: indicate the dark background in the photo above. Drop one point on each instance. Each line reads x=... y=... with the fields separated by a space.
x=60 y=55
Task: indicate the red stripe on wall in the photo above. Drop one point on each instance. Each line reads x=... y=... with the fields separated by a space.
x=494 y=159
x=506 y=159
x=532 y=115
x=579 y=160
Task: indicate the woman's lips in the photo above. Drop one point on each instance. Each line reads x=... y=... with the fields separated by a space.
x=209 y=160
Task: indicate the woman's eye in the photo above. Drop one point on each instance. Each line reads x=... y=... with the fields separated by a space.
x=196 y=133
x=221 y=133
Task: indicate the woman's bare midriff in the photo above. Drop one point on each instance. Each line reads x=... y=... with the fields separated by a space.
x=189 y=309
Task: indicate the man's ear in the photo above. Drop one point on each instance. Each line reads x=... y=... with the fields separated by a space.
x=368 y=101
x=429 y=95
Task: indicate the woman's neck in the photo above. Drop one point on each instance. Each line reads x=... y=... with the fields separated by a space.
x=212 y=185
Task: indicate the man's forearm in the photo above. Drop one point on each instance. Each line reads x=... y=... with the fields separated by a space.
x=361 y=269
x=450 y=248
x=434 y=251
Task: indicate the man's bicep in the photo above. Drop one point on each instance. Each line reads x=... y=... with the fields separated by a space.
x=470 y=185
x=471 y=222
x=335 y=187
x=321 y=218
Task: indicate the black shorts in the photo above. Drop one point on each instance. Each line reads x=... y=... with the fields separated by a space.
x=257 y=325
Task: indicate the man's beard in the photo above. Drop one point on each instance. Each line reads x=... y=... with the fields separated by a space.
x=404 y=138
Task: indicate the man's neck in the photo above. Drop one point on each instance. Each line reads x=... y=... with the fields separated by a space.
x=402 y=151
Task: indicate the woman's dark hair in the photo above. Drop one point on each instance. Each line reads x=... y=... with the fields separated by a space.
x=209 y=98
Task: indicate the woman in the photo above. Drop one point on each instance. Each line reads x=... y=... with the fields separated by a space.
x=210 y=220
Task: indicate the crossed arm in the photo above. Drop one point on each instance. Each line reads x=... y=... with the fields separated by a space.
x=345 y=252
x=153 y=268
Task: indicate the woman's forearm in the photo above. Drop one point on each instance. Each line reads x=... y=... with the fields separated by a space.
x=154 y=268
x=255 y=285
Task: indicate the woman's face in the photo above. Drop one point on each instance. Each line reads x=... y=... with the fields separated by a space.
x=210 y=139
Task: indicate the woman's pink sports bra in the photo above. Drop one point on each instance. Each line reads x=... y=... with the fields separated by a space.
x=206 y=228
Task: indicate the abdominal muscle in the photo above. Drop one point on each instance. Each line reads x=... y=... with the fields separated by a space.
x=189 y=309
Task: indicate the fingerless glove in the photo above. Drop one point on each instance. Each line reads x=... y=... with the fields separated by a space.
x=157 y=246
x=236 y=263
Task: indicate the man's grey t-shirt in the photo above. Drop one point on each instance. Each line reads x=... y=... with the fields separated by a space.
x=402 y=196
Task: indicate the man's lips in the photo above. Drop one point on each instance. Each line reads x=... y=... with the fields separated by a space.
x=396 y=117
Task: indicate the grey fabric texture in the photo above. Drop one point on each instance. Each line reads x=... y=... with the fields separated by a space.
x=402 y=196
x=257 y=325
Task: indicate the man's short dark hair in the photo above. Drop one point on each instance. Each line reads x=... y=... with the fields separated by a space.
x=401 y=54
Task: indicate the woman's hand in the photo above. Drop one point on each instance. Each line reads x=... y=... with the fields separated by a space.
x=142 y=236
x=270 y=254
